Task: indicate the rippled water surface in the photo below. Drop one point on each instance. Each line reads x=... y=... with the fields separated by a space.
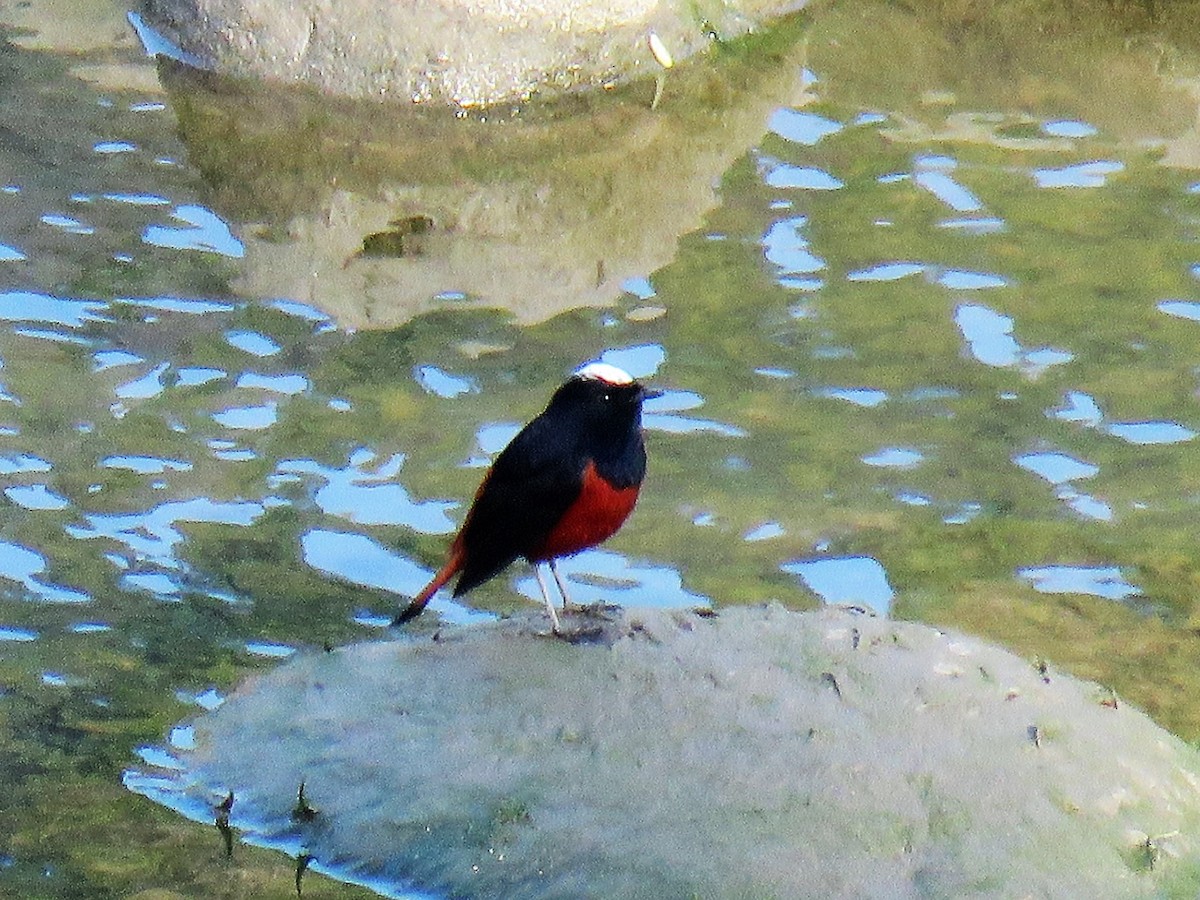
x=928 y=338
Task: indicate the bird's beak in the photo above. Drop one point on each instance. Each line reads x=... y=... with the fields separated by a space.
x=650 y=393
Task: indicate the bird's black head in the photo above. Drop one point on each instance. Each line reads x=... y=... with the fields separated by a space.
x=602 y=396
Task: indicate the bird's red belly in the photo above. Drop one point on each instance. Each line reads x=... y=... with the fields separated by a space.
x=594 y=517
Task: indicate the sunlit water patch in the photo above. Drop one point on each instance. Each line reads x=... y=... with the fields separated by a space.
x=786 y=247
x=932 y=173
x=1081 y=175
x=252 y=342
x=9 y=253
x=186 y=305
x=269 y=650
x=248 y=418
x=894 y=458
x=194 y=376
x=1079 y=408
x=602 y=576
x=320 y=320
x=163 y=585
x=868 y=398
x=21 y=463
x=289 y=385
x=134 y=199
x=146 y=465
x=1062 y=470
x=764 y=532
x=490 y=439
x=36 y=496
x=640 y=360
x=854 y=580
x=963 y=513
x=29 y=306
x=68 y=224
x=1099 y=581
x=1068 y=128
x=890 y=271
x=114 y=359
x=154 y=535
x=990 y=340
x=1182 y=309
x=368 y=497
x=360 y=560
x=201 y=230
x=662 y=414
x=441 y=383
x=640 y=286
x=23 y=566
x=109 y=148
x=808 y=178
x=1056 y=468
x=90 y=628
x=974 y=225
x=970 y=281
x=1145 y=433
x=801 y=126
x=147 y=386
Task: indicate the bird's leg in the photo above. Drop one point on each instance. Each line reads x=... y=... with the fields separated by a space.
x=537 y=573
x=562 y=586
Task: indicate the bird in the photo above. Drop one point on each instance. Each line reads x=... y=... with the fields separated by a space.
x=567 y=482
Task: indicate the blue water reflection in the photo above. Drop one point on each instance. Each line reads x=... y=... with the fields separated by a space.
x=807 y=178
x=29 y=306
x=154 y=535
x=602 y=576
x=23 y=565
x=360 y=560
x=1099 y=581
x=1082 y=175
x=933 y=174
x=202 y=230
x=370 y=497
x=248 y=418
x=802 y=127
x=846 y=580
x=1068 y=128
x=787 y=248
x=989 y=338
x=441 y=383
x=36 y=496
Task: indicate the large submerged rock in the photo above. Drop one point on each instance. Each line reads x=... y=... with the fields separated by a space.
x=465 y=52
x=758 y=753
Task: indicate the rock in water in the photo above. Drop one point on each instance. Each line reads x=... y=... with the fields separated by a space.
x=460 y=52
x=757 y=753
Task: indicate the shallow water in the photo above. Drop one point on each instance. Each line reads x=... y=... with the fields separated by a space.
x=928 y=338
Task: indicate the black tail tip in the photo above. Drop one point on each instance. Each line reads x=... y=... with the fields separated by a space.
x=407 y=614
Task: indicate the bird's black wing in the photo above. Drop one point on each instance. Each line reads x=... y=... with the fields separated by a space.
x=528 y=489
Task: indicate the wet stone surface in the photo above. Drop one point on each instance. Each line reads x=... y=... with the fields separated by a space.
x=755 y=752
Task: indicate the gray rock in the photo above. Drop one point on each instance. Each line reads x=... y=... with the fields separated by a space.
x=464 y=52
x=761 y=753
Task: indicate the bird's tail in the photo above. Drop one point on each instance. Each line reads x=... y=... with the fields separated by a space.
x=445 y=573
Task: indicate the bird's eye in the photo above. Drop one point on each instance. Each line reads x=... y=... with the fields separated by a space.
x=607 y=395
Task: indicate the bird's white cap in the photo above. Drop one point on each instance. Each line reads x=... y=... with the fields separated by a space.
x=601 y=371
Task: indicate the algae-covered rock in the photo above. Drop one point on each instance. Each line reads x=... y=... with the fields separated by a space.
x=759 y=753
x=463 y=52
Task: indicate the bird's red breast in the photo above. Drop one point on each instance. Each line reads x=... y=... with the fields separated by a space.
x=597 y=513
